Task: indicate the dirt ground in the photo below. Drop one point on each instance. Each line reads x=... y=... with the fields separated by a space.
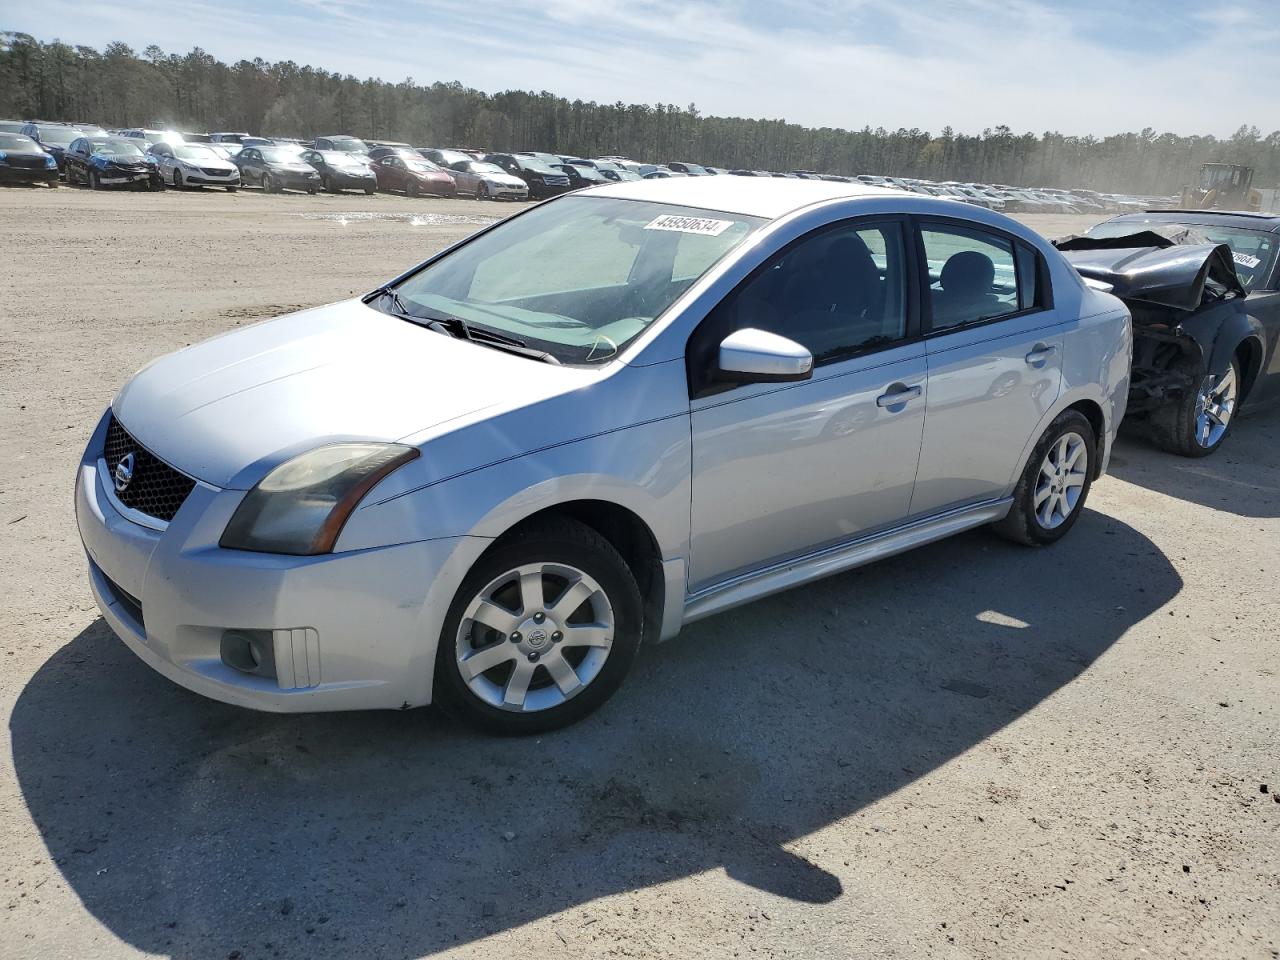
x=973 y=750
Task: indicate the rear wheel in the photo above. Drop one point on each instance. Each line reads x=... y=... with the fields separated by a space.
x=541 y=633
x=1196 y=423
x=1051 y=493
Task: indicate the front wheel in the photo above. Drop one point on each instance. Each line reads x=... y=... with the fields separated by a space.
x=95 y=181
x=543 y=630
x=231 y=189
x=411 y=190
x=1195 y=424
x=178 y=182
x=1050 y=496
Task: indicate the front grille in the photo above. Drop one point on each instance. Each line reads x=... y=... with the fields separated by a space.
x=215 y=173
x=155 y=488
x=556 y=181
x=28 y=161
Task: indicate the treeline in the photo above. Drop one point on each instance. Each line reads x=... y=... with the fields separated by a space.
x=119 y=87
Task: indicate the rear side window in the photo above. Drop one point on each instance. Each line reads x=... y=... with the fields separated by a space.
x=973 y=276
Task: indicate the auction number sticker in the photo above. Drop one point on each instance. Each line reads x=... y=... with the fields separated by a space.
x=701 y=225
x=1245 y=260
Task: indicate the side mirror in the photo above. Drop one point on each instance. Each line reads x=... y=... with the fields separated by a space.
x=757 y=356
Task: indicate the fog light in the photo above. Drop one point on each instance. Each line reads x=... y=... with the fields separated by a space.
x=249 y=651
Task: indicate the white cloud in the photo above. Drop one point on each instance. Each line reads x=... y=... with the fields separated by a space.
x=850 y=63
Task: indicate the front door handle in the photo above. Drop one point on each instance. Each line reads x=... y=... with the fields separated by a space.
x=898 y=394
x=1040 y=353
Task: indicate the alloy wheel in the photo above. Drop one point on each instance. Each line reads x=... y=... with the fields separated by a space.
x=1061 y=480
x=1215 y=405
x=534 y=637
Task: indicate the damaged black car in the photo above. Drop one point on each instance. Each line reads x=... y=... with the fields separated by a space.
x=1204 y=291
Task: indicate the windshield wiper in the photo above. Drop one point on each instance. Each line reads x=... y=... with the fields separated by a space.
x=455 y=326
x=396 y=302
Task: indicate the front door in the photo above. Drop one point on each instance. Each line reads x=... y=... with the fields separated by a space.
x=782 y=469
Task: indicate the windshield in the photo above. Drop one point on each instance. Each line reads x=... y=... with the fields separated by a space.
x=339 y=159
x=1254 y=251
x=535 y=166
x=478 y=167
x=62 y=135
x=13 y=141
x=630 y=261
x=195 y=153
x=278 y=154
x=421 y=166
x=116 y=149
x=351 y=145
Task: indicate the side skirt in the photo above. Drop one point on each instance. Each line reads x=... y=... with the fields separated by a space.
x=840 y=557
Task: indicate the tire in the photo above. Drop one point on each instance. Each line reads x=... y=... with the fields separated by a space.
x=70 y=181
x=95 y=181
x=564 y=550
x=178 y=183
x=232 y=189
x=368 y=191
x=1044 y=505
x=411 y=189
x=327 y=184
x=1195 y=424
x=482 y=191
x=269 y=184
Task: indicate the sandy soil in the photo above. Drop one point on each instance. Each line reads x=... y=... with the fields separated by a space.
x=973 y=750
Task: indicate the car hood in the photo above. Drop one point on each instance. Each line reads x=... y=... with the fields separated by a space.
x=1167 y=267
x=290 y=167
x=504 y=179
x=227 y=410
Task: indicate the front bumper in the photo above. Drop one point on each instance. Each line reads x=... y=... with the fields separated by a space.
x=347 y=631
x=28 y=174
x=298 y=181
x=211 y=180
x=127 y=178
x=343 y=181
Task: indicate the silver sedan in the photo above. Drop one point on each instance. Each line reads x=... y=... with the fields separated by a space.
x=489 y=481
x=486 y=181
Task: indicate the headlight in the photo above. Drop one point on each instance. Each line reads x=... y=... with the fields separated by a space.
x=50 y=161
x=300 y=507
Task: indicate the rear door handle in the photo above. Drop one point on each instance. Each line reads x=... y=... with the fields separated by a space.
x=1040 y=353
x=897 y=395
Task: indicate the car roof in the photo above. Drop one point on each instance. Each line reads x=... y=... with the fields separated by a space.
x=750 y=196
x=1245 y=219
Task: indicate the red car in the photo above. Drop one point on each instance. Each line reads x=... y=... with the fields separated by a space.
x=405 y=171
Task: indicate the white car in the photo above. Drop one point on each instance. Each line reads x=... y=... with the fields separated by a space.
x=486 y=181
x=195 y=165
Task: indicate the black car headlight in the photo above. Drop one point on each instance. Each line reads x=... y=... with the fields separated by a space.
x=301 y=506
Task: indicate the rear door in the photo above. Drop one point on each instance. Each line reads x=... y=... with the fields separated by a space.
x=993 y=343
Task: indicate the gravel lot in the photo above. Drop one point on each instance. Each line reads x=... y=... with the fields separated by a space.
x=973 y=750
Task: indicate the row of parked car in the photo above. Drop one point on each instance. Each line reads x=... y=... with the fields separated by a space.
x=157 y=158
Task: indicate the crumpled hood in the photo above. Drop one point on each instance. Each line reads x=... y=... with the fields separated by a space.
x=242 y=402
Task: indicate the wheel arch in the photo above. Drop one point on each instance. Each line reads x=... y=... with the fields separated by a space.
x=626 y=531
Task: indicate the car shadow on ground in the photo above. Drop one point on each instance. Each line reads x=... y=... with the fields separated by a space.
x=193 y=829
x=1242 y=477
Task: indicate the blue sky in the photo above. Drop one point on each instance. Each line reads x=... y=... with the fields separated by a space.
x=1079 y=67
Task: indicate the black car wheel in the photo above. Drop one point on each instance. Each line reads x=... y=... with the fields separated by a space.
x=482 y=191
x=542 y=631
x=327 y=183
x=177 y=180
x=311 y=190
x=1051 y=494
x=1195 y=424
x=95 y=181
x=231 y=189
x=411 y=189
x=368 y=191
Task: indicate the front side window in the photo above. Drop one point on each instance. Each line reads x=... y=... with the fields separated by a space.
x=973 y=276
x=836 y=293
x=579 y=278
